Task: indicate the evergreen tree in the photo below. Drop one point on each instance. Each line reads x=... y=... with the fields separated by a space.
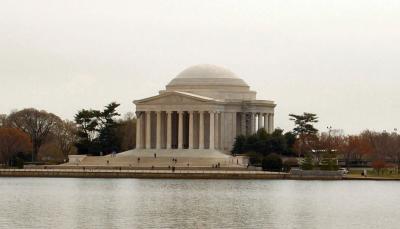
x=304 y=130
x=272 y=162
x=329 y=162
x=97 y=130
x=239 y=145
x=108 y=139
x=308 y=163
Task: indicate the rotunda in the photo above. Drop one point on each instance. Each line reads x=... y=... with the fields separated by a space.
x=203 y=108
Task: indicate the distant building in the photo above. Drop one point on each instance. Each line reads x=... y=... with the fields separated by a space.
x=203 y=108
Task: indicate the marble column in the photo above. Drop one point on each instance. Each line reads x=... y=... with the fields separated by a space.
x=252 y=123
x=180 y=130
x=259 y=121
x=271 y=123
x=138 y=131
x=216 y=137
x=201 y=132
x=169 y=129
x=190 y=129
x=234 y=126
x=243 y=123
x=148 y=129
x=158 y=145
x=212 y=129
x=222 y=133
x=266 y=122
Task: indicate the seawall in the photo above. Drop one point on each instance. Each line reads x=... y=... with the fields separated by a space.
x=153 y=174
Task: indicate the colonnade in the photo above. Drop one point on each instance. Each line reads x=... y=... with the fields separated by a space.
x=197 y=129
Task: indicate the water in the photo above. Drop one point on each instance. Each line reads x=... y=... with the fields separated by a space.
x=135 y=203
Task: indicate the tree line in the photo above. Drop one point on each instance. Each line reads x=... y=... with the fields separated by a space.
x=369 y=148
x=37 y=135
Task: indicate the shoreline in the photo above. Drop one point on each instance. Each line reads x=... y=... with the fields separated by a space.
x=177 y=174
x=146 y=174
x=157 y=174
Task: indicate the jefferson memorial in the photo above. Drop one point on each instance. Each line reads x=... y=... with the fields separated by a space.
x=202 y=109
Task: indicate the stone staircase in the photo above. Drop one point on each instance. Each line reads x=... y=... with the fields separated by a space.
x=163 y=159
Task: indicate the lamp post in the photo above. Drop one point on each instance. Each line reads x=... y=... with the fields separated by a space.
x=329 y=137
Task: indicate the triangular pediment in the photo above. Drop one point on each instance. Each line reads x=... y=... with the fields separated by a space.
x=175 y=98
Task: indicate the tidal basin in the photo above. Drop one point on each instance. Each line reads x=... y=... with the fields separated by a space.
x=164 y=203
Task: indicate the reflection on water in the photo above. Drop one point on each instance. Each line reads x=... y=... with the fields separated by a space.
x=135 y=203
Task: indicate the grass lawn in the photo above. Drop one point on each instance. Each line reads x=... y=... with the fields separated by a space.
x=386 y=173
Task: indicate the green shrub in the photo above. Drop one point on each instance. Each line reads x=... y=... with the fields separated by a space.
x=254 y=158
x=290 y=163
x=272 y=162
x=329 y=162
x=308 y=163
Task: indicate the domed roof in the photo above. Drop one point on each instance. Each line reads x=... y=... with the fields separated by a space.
x=207 y=75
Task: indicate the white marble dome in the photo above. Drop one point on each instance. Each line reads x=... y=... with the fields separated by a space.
x=207 y=75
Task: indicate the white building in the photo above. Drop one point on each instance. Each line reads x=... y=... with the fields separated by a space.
x=202 y=109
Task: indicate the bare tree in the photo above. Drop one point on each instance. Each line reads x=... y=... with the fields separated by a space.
x=66 y=134
x=393 y=149
x=37 y=124
x=126 y=131
x=12 y=141
x=3 y=119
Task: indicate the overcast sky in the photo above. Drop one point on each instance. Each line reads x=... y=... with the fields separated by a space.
x=339 y=59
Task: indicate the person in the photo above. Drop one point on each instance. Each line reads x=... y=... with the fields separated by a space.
x=108 y=162
x=155 y=155
x=138 y=160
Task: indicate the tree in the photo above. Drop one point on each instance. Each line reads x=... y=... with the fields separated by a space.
x=288 y=164
x=12 y=141
x=87 y=131
x=378 y=165
x=272 y=162
x=277 y=142
x=37 y=124
x=329 y=162
x=108 y=139
x=290 y=142
x=354 y=148
x=3 y=119
x=66 y=135
x=240 y=145
x=263 y=143
x=126 y=132
x=97 y=130
x=395 y=154
x=308 y=162
x=304 y=130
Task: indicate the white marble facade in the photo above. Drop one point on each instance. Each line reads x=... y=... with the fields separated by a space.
x=204 y=107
